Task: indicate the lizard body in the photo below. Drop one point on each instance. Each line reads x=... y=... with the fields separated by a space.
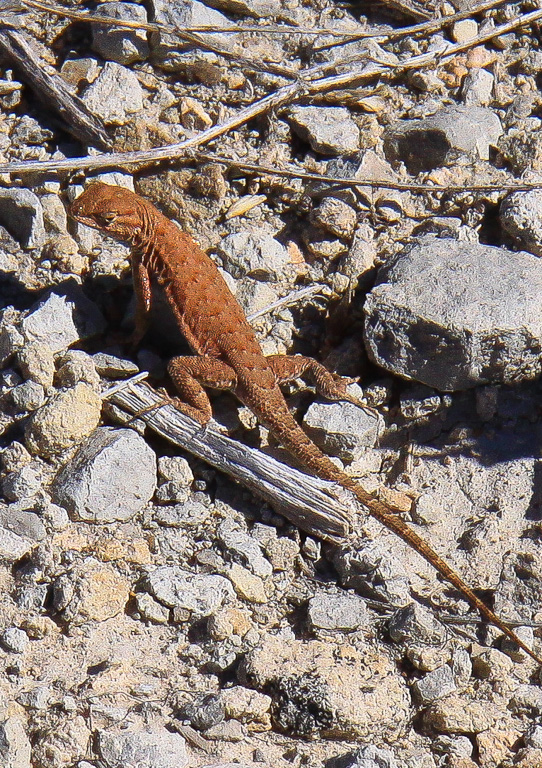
x=228 y=355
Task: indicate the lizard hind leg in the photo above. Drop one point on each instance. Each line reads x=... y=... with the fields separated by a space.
x=190 y=374
x=329 y=385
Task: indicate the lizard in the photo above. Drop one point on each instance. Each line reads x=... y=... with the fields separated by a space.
x=228 y=355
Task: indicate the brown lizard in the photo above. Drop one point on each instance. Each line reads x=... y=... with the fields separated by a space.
x=227 y=353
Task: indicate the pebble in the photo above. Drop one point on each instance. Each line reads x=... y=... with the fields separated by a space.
x=146 y=748
x=63 y=422
x=341 y=612
x=455 y=714
x=414 y=623
x=329 y=130
x=111 y=477
x=115 y=95
x=60 y=320
x=14 y=640
x=10 y=342
x=254 y=296
x=443 y=138
x=478 y=87
x=22 y=483
x=475 y=309
x=246 y=705
x=150 y=610
x=335 y=216
x=370 y=757
x=37 y=364
x=243 y=548
x=12 y=546
x=372 y=570
x=464 y=30
x=90 y=592
x=76 y=366
x=16 y=750
x=247 y=585
x=203 y=711
x=199 y=594
x=191 y=513
x=258 y=256
x=27 y=396
x=21 y=214
x=124 y=46
x=434 y=685
x=342 y=429
x=520 y=215
x=114 y=367
x=175 y=469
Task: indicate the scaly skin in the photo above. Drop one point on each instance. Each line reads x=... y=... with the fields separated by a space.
x=227 y=354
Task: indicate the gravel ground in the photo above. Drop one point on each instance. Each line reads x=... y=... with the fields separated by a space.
x=156 y=614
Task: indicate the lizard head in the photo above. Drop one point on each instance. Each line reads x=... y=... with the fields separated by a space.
x=113 y=210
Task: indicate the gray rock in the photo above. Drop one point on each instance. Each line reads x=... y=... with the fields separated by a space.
x=443 y=138
x=200 y=594
x=62 y=319
x=190 y=514
x=15 y=748
x=27 y=396
x=254 y=296
x=175 y=469
x=156 y=748
x=12 y=546
x=526 y=699
x=434 y=685
x=478 y=87
x=38 y=698
x=22 y=215
x=115 y=95
x=342 y=429
x=258 y=256
x=150 y=610
x=64 y=421
x=521 y=217
x=54 y=214
x=370 y=757
x=114 y=367
x=111 y=477
x=414 y=623
x=22 y=483
x=203 y=711
x=454 y=316
x=419 y=402
x=14 y=640
x=15 y=456
x=337 y=612
x=243 y=549
x=10 y=342
x=117 y=43
x=335 y=216
x=329 y=130
x=37 y=364
x=17 y=519
x=373 y=571
x=166 y=49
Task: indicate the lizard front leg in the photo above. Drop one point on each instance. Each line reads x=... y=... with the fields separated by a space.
x=142 y=290
x=190 y=374
x=289 y=367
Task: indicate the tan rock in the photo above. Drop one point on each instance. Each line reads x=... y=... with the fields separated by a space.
x=246 y=584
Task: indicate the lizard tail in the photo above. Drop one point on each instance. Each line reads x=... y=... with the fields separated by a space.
x=294 y=439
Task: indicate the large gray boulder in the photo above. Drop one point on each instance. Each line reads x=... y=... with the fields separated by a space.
x=454 y=315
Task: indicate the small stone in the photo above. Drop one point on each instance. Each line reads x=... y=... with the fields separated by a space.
x=414 y=623
x=371 y=757
x=243 y=548
x=254 y=295
x=27 y=396
x=10 y=342
x=111 y=477
x=13 y=547
x=372 y=570
x=115 y=95
x=509 y=647
x=464 y=30
x=22 y=483
x=176 y=469
x=60 y=320
x=201 y=594
x=146 y=748
x=21 y=214
x=15 y=456
x=36 y=362
x=329 y=130
x=14 y=640
x=491 y=664
x=15 y=748
x=247 y=585
x=113 y=367
x=520 y=215
x=188 y=514
x=443 y=138
x=228 y=730
x=341 y=612
x=203 y=711
x=91 y=592
x=37 y=698
x=246 y=705
x=434 y=685
x=76 y=366
x=64 y=421
x=228 y=622
x=150 y=609
x=454 y=714
x=192 y=115
x=282 y=553
x=342 y=429
x=478 y=87
x=77 y=71
x=124 y=46
x=54 y=214
x=335 y=216
x=258 y=256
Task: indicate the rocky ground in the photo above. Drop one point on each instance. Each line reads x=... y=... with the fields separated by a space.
x=154 y=613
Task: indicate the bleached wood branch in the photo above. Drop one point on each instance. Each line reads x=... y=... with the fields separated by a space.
x=316 y=506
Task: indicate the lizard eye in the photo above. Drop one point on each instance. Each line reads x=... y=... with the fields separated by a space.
x=106 y=219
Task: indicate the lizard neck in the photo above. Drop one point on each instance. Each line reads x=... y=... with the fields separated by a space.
x=144 y=240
